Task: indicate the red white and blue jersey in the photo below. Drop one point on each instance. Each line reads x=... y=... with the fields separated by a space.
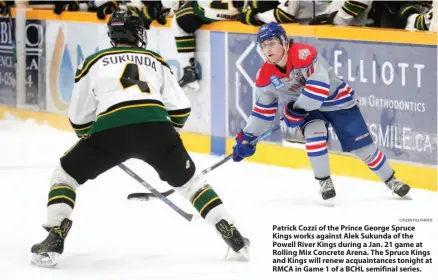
x=308 y=80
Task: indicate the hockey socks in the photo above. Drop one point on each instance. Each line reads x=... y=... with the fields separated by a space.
x=375 y=160
x=205 y=200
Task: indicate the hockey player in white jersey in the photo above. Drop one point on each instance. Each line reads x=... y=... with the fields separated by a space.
x=316 y=98
x=189 y=18
x=126 y=104
x=351 y=13
x=291 y=11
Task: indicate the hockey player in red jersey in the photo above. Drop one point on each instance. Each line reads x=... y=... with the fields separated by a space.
x=316 y=98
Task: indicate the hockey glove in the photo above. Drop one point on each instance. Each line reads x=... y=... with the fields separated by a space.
x=157 y=11
x=61 y=6
x=248 y=16
x=5 y=7
x=323 y=19
x=243 y=149
x=106 y=8
x=293 y=117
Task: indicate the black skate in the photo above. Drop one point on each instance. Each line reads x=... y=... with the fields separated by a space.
x=397 y=186
x=189 y=80
x=233 y=238
x=46 y=253
x=327 y=188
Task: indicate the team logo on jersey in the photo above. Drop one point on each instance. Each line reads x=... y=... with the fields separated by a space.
x=303 y=54
x=297 y=76
x=276 y=82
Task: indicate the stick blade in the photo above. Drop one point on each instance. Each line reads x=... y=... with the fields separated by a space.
x=147 y=196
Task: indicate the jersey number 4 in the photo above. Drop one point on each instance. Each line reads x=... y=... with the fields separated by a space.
x=131 y=77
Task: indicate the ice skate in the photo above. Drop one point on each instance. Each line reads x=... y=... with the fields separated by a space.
x=397 y=186
x=189 y=81
x=46 y=253
x=233 y=238
x=327 y=188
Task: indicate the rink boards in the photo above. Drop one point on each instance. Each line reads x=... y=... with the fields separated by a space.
x=394 y=77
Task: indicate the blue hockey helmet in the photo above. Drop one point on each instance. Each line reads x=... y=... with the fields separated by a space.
x=270 y=31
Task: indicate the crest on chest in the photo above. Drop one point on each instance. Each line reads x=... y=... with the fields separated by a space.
x=296 y=80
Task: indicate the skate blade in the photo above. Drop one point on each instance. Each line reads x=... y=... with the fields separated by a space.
x=329 y=202
x=48 y=260
x=404 y=193
x=244 y=253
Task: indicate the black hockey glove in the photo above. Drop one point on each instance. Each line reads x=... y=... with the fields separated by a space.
x=107 y=9
x=5 y=7
x=61 y=6
x=407 y=10
x=143 y=13
x=248 y=16
x=154 y=10
x=323 y=19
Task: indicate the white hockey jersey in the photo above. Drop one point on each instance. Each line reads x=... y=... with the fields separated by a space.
x=308 y=80
x=216 y=10
x=125 y=85
x=352 y=13
x=424 y=20
x=289 y=11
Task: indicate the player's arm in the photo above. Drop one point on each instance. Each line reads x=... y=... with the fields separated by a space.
x=412 y=17
x=248 y=15
x=263 y=113
x=83 y=104
x=260 y=120
x=284 y=13
x=174 y=99
x=349 y=11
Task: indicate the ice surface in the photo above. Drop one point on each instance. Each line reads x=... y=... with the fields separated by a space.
x=113 y=238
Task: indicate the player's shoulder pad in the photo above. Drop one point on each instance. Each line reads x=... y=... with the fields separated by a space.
x=86 y=64
x=302 y=55
x=264 y=74
x=159 y=58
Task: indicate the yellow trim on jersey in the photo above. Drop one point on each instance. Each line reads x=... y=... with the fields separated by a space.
x=91 y=61
x=127 y=107
x=354 y=13
x=180 y=115
x=286 y=15
x=186 y=48
x=356 y=5
x=184 y=40
x=186 y=13
x=84 y=128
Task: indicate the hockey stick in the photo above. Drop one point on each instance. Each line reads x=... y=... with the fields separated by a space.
x=230 y=156
x=148 y=196
x=185 y=215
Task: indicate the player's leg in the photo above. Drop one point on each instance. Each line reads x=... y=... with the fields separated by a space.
x=86 y=160
x=184 y=24
x=354 y=136
x=315 y=133
x=168 y=156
